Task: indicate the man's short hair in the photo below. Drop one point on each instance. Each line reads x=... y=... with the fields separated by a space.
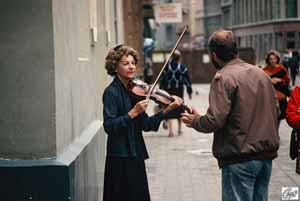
x=223 y=44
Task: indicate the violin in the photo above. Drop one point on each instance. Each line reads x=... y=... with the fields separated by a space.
x=140 y=90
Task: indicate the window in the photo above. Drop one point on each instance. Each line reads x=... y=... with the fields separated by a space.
x=276 y=9
x=298 y=40
x=251 y=42
x=291 y=8
x=108 y=19
x=270 y=41
x=93 y=21
x=226 y=1
x=290 y=40
x=242 y=41
x=278 y=41
x=238 y=41
x=261 y=47
x=116 y=22
x=169 y=29
x=261 y=10
x=236 y=13
x=265 y=47
x=256 y=10
x=226 y=17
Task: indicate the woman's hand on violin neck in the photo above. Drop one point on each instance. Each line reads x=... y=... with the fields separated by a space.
x=138 y=108
x=176 y=103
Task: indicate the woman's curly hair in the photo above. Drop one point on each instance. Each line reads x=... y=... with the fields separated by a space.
x=274 y=53
x=114 y=56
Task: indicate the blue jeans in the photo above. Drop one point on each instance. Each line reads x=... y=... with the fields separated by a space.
x=247 y=181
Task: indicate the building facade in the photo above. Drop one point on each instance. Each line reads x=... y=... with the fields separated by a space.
x=260 y=24
x=212 y=17
x=197 y=33
x=52 y=57
x=266 y=25
x=165 y=34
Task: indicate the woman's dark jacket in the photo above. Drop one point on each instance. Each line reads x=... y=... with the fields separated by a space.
x=125 y=137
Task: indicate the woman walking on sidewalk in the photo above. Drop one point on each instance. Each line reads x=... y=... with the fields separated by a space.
x=280 y=80
x=294 y=66
x=173 y=80
x=125 y=176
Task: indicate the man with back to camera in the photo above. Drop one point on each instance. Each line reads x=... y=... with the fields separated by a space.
x=243 y=112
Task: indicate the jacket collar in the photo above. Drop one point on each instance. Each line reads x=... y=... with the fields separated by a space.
x=119 y=82
x=234 y=61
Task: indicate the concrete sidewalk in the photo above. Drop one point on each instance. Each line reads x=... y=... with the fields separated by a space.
x=182 y=168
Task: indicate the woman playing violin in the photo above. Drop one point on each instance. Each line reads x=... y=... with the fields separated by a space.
x=124 y=120
x=280 y=79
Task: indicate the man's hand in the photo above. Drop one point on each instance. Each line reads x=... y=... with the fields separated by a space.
x=276 y=80
x=176 y=103
x=188 y=119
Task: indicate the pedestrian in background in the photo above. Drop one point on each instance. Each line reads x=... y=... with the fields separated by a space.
x=293 y=119
x=148 y=67
x=125 y=176
x=174 y=78
x=243 y=114
x=280 y=79
x=294 y=66
x=286 y=55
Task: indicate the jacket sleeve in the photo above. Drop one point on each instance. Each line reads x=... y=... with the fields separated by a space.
x=150 y=123
x=285 y=79
x=163 y=80
x=292 y=116
x=113 y=123
x=219 y=108
x=187 y=81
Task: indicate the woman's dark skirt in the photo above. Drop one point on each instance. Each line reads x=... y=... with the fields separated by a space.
x=125 y=179
x=175 y=113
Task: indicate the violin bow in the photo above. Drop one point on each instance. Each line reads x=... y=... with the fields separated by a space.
x=166 y=62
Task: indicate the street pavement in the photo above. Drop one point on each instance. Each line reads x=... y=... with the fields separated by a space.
x=182 y=168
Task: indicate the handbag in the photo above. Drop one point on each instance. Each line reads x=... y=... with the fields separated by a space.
x=295 y=149
x=298 y=165
x=294 y=145
x=282 y=106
